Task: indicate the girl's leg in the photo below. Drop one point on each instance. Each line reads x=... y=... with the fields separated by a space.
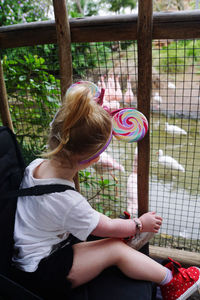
x=91 y=258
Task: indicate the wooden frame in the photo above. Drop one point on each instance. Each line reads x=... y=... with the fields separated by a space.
x=176 y=25
x=144 y=38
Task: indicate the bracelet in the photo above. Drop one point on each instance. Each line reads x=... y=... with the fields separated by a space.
x=138 y=224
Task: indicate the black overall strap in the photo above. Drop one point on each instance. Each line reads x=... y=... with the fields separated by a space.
x=37 y=190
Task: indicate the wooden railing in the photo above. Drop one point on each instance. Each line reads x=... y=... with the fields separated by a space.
x=176 y=25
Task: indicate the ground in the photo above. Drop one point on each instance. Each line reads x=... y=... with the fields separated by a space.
x=184 y=99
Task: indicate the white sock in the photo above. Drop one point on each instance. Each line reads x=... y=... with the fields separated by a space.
x=168 y=277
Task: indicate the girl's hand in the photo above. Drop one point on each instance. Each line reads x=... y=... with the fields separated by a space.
x=150 y=222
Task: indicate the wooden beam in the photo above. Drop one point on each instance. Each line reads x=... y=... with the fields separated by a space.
x=64 y=43
x=65 y=56
x=170 y=25
x=176 y=25
x=4 y=109
x=144 y=98
x=185 y=258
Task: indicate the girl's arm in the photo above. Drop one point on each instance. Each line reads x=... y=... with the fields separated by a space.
x=121 y=228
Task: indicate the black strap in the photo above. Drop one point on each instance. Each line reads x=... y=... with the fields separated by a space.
x=37 y=190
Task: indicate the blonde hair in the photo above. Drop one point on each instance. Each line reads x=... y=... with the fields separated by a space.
x=80 y=128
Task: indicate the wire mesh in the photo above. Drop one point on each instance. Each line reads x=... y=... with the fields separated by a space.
x=175 y=142
x=111 y=185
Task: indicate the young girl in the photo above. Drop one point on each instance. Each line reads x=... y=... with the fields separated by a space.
x=46 y=254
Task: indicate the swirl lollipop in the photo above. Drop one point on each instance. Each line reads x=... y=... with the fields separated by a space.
x=129 y=125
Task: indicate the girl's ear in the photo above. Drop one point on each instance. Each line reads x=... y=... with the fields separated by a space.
x=89 y=163
x=95 y=160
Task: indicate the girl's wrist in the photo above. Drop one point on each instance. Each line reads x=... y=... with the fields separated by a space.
x=138 y=224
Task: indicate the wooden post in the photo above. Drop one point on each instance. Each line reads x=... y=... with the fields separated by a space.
x=144 y=37
x=64 y=43
x=65 y=57
x=4 y=108
x=185 y=258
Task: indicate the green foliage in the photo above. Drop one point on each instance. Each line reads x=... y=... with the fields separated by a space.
x=50 y=53
x=30 y=150
x=88 y=56
x=83 y=8
x=193 y=49
x=175 y=57
x=88 y=181
x=100 y=208
x=15 y=11
x=31 y=89
x=120 y=5
x=102 y=188
x=91 y=8
x=194 y=4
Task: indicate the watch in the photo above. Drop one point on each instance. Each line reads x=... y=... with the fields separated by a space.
x=138 y=224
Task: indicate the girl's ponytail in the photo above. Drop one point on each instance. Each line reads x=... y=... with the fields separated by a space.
x=78 y=105
x=80 y=127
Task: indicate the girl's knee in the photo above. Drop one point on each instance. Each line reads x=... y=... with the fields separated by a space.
x=117 y=248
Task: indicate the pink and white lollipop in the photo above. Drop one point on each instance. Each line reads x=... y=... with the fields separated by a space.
x=129 y=125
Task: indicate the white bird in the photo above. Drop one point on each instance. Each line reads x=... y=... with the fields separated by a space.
x=184 y=234
x=157 y=98
x=156 y=124
x=129 y=96
x=171 y=85
x=175 y=130
x=169 y=162
x=106 y=164
x=132 y=196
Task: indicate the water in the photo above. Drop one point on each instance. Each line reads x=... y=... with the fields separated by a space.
x=176 y=195
x=180 y=209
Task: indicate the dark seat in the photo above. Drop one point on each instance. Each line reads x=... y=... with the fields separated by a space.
x=10 y=290
x=111 y=284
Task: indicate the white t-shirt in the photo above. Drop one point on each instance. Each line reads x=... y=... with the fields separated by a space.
x=44 y=221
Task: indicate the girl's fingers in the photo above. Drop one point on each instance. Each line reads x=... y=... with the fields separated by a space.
x=157 y=228
x=159 y=222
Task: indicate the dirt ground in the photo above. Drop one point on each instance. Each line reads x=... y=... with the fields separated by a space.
x=182 y=97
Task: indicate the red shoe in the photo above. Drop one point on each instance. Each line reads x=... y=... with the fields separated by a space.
x=184 y=283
